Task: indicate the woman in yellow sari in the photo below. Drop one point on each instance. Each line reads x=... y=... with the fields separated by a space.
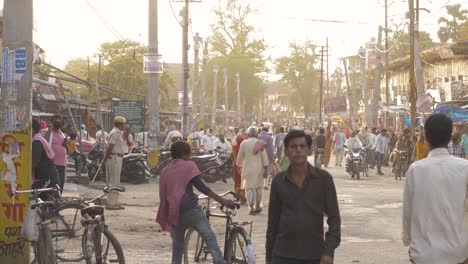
x=236 y=170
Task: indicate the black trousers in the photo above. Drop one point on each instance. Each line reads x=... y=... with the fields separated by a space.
x=61 y=176
x=282 y=260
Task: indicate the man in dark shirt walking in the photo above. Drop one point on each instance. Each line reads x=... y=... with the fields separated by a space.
x=299 y=199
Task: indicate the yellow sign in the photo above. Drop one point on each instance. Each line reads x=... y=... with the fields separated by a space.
x=152 y=158
x=15 y=174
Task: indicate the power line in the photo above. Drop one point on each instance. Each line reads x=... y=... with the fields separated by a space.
x=315 y=20
x=440 y=9
x=105 y=22
x=174 y=14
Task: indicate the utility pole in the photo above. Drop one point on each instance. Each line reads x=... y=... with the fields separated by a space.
x=377 y=79
x=417 y=56
x=365 y=99
x=98 y=99
x=328 y=93
x=321 y=87
x=387 y=89
x=412 y=72
x=196 y=95
x=238 y=101
x=351 y=106
x=215 y=94
x=153 y=119
x=185 y=48
x=15 y=125
x=226 y=103
x=203 y=85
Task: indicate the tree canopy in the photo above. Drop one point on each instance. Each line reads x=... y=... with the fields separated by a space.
x=122 y=69
x=452 y=27
x=402 y=46
x=298 y=71
x=234 y=46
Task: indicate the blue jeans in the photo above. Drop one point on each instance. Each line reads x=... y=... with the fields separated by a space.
x=371 y=157
x=380 y=157
x=194 y=218
x=282 y=260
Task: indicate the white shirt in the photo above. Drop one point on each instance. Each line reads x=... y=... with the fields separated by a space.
x=435 y=209
x=226 y=146
x=170 y=135
x=208 y=142
x=142 y=136
x=372 y=138
x=102 y=136
x=115 y=138
x=353 y=143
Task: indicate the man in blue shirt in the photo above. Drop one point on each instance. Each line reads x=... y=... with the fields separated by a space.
x=381 y=146
x=339 y=140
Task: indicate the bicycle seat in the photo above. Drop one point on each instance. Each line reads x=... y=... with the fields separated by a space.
x=92 y=210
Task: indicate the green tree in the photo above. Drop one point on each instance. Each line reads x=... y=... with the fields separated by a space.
x=452 y=26
x=234 y=47
x=402 y=46
x=122 y=69
x=464 y=31
x=298 y=71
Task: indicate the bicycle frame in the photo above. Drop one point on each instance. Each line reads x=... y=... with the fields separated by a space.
x=230 y=225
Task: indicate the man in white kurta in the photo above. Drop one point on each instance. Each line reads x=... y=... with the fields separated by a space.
x=254 y=169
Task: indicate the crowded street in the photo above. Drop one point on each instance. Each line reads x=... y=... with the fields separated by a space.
x=370 y=210
x=234 y=132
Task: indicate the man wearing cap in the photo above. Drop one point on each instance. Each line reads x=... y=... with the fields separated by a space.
x=113 y=160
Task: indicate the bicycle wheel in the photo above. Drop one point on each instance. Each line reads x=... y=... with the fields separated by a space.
x=45 y=253
x=195 y=249
x=67 y=233
x=240 y=248
x=108 y=247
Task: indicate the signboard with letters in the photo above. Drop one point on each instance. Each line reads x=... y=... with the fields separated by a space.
x=152 y=63
x=133 y=111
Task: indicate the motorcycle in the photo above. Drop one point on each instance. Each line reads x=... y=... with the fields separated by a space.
x=227 y=166
x=319 y=157
x=134 y=167
x=354 y=161
x=213 y=167
x=401 y=165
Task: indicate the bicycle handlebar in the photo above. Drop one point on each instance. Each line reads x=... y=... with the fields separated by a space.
x=56 y=189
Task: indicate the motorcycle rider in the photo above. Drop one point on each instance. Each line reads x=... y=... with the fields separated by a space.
x=173 y=134
x=208 y=141
x=222 y=144
x=354 y=145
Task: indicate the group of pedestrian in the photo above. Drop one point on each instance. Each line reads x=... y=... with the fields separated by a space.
x=302 y=195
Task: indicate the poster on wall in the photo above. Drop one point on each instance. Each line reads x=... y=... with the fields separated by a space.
x=15 y=161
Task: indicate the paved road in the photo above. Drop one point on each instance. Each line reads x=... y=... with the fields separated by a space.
x=370 y=210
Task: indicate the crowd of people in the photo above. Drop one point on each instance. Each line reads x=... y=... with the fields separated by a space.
x=301 y=195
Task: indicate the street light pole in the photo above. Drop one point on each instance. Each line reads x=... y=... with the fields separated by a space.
x=238 y=100
x=226 y=103
x=215 y=94
x=185 y=48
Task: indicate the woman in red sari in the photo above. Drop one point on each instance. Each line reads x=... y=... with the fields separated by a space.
x=236 y=170
x=328 y=145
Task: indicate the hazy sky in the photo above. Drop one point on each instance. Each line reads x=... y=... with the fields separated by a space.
x=67 y=29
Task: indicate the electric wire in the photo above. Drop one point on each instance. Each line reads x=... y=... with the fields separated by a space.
x=174 y=14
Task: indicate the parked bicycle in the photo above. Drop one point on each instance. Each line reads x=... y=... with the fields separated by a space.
x=44 y=252
x=238 y=247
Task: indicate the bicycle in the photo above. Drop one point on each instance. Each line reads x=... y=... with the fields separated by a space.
x=238 y=247
x=44 y=252
x=97 y=238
